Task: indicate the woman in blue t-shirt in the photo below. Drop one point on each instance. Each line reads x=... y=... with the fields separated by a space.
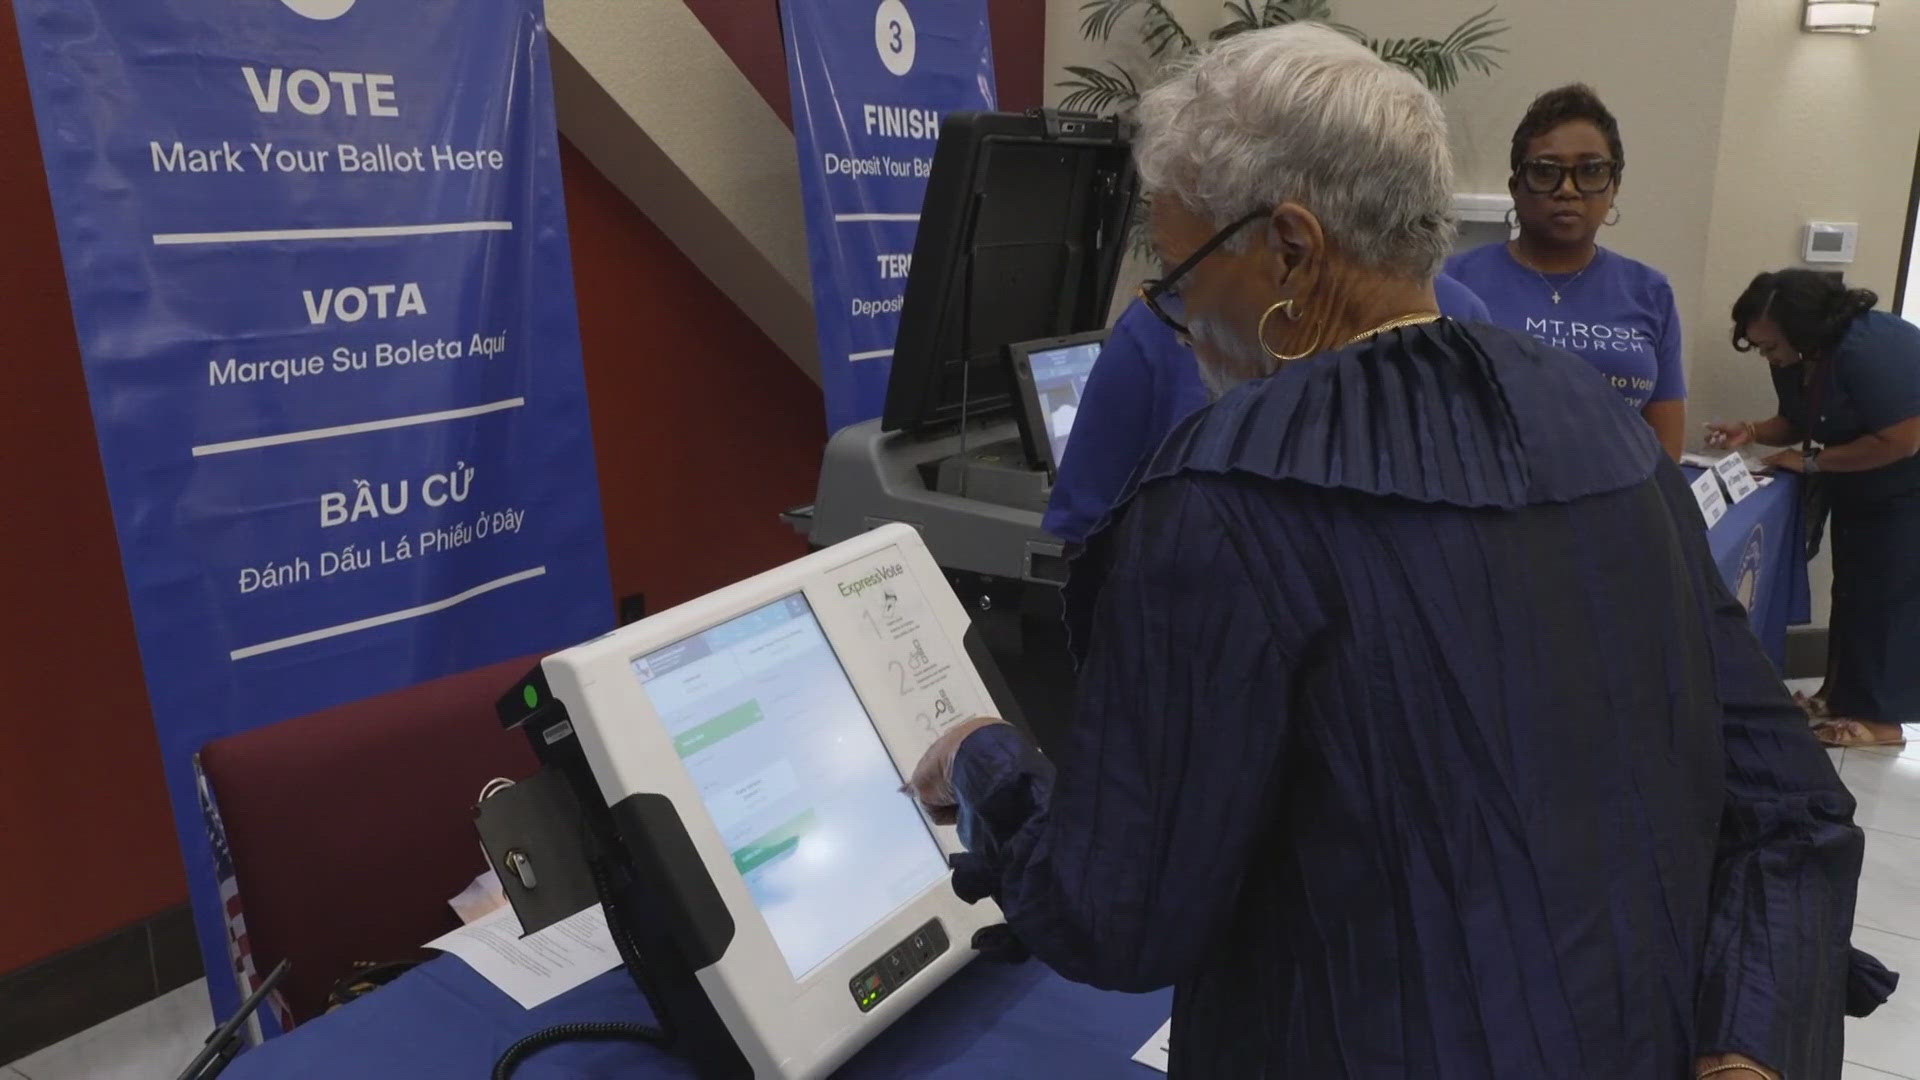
x=1848 y=379
x=1555 y=282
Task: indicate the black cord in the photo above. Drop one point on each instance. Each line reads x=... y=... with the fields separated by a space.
x=602 y=869
x=540 y=1040
x=660 y=1035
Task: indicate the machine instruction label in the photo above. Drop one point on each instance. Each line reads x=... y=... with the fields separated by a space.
x=910 y=658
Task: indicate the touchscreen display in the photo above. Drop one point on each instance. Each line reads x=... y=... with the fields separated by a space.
x=795 y=777
x=1059 y=378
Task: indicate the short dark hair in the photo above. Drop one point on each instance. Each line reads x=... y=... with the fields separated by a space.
x=1813 y=309
x=1565 y=105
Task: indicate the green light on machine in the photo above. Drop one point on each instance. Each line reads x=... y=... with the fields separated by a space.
x=531 y=696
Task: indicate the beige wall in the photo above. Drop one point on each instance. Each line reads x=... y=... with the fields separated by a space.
x=1815 y=127
x=720 y=180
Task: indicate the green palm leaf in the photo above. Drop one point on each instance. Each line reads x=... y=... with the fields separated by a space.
x=1099 y=17
x=1160 y=31
x=1440 y=63
x=1281 y=12
x=1092 y=90
x=1272 y=13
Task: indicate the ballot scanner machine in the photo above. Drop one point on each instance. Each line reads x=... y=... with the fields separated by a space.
x=1021 y=238
x=741 y=758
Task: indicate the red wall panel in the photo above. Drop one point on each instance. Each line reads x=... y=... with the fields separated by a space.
x=749 y=32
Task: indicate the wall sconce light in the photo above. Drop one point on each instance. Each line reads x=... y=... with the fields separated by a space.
x=1840 y=16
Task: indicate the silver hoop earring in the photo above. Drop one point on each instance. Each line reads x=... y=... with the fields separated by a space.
x=1614 y=217
x=1513 y=218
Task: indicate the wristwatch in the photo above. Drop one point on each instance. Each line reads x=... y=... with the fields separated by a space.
x=1810 y=462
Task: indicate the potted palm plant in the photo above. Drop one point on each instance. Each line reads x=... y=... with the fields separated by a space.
x=1114 y=88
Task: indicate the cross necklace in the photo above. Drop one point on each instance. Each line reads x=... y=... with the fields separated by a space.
x=1551 y=287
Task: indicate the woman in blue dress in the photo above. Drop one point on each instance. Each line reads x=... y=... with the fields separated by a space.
x=1848 y=382
x=1416 y=735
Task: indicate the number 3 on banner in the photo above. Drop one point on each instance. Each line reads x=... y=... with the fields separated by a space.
x=893 y=35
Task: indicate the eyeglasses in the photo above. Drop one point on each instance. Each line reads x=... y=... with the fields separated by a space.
x=1543 y=177
x=1153 y=290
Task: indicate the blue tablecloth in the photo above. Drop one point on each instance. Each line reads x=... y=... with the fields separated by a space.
x=444 y=1022
x=1758 y=548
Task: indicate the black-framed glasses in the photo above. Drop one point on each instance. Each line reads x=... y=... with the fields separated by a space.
x=1543 y=177
x=1153 y=290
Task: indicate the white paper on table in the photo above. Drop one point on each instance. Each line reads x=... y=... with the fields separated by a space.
x=535 y=969
x=1736 y=476
x=1154 y=1054
x=1706 y=491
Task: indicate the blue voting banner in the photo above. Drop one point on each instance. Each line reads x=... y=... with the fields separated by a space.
x=871 y=80
x=318 y=262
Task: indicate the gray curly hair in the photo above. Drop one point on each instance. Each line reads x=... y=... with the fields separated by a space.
x=1303 y=112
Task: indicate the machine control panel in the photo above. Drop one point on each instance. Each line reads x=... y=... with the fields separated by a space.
x=901 y=963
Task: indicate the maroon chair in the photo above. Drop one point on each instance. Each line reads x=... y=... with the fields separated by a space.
x=351 y=828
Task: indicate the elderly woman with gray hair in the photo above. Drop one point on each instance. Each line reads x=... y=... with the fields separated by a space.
x=1417 y=735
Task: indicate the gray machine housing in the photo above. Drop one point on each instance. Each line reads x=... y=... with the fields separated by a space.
x=971 y=492
x=1020 y=208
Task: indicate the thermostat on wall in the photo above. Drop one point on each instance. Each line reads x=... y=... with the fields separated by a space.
x=1831 y=241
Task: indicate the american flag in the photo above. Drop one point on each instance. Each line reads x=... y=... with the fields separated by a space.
x=239 y=949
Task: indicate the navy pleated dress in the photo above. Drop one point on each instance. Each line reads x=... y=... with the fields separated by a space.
x=1418 y=737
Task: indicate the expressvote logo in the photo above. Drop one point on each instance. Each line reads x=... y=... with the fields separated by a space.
x=879 y=575
x=320 y=9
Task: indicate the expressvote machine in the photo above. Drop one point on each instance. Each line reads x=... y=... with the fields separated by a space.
x=1021 y=238
x=781 y=899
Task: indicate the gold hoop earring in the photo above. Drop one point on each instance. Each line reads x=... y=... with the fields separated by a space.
x=1285 y=306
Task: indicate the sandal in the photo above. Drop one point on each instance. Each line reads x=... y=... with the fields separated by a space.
x=1814 y=706
x=1855 y=733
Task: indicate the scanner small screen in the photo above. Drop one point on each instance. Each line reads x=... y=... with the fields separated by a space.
x=794 y=776
x=1059 y=378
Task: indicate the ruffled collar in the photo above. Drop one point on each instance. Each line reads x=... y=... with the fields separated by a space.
x=1446 y=413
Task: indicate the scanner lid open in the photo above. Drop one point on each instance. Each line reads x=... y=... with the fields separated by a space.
x=1025 y=224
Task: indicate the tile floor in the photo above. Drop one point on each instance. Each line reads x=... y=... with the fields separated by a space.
x=1886 y=784
x=152 y=1042
x=155 y=1041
